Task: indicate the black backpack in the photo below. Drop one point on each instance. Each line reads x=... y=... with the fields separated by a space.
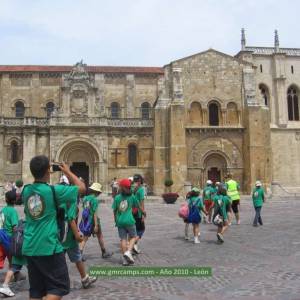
x=17 y=238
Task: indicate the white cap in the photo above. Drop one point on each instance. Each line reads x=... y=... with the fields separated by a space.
x=130 y=178
x=258 y=183
x=208 y=181
x=64 y=179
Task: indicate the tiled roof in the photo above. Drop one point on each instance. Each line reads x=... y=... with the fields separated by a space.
x=92 y=69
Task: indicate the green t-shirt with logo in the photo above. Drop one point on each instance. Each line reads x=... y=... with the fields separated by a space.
x=258 y=195
x=122 y=206
x=71 y=213
x=207 y=192
x=8 y=219
x=221 y=203
x=41 y=230
x=91 y=202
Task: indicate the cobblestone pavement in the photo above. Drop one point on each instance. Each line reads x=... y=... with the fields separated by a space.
x=253 y=263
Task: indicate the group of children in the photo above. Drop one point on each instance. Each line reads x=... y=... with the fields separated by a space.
x=217 y=205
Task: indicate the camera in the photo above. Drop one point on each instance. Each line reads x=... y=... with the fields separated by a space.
x=56 y=167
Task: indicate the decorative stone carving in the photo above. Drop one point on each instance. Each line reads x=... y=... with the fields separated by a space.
x=297 y=136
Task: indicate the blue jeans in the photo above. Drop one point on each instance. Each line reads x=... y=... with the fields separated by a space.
x=257 y=217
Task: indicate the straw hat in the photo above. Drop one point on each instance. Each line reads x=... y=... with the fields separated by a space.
x=97 y=187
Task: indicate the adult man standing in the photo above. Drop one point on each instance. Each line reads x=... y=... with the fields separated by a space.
x=47 y=268
x=233 y=192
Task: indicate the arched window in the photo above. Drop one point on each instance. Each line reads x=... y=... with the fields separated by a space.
x=293 y=105
x=14 y=152
x=264 y=91
x=145 y=111
x=49 y=109
x=213 y=110
x=115 y=110
x=19 y=109
x=196 y=113
x=132 y=155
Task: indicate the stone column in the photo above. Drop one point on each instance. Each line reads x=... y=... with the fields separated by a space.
x=160 y=155
x=29 y=151
x=178 y=156
x=130 y=94
x=280 y=89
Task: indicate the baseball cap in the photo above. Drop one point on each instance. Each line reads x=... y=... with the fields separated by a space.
x=209 y=181
x=125 y=183
x=258 y=183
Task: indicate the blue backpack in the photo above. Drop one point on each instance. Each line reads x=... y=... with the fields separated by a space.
x=194 y=214
x=85 y=226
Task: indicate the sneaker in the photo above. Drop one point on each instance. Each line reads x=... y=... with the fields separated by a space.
x=125 y=262
x=255 y=225
x=229 y=224
x=186 y=237
x=86 y=283
x=107 y=254
x=129 y=257
x=136 y=249
x=220 y=237
x=18 y=276
x=196 y=240
x=238 y=222
x=7 y=291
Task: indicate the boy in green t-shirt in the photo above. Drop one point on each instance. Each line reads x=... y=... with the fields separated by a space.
x=124 y=220
x=208 y=193
x=73 y=237
x=258 y=197
x=139 y=214
x=222 y=207
x=47 y=268
x=9 y=219
x=91 y=203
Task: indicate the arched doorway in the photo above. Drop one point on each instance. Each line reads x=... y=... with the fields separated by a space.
x=83 y=159
x=215 y=167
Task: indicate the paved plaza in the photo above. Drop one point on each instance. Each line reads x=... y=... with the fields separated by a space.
x=253 y=263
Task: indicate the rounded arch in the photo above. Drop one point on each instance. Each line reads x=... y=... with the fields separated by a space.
x=78 y=143
x=232 y=114
x=265 y=93
x=82 y=156
x=145 y=110
x=50 y=106
x=195 y=113
x=132 y=154
x=215 y=153
x=115 y=110
x=214 y=113
x=19 y=109
x=14 y=151
x=293 y=102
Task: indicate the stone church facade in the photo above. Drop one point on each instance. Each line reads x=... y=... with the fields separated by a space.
x=196 y=118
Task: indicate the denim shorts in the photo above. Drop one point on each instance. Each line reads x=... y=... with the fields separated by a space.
x=129 y=231
x=74 y=254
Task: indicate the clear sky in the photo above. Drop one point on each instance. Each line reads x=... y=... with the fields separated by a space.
x=138 y=32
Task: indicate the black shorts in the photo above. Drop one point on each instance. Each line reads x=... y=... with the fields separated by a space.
x=48 y=275
x=139 y=224
x=235 y=206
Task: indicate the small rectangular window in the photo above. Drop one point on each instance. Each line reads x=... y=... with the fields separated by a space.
x=261 y=68
x=292 y=69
